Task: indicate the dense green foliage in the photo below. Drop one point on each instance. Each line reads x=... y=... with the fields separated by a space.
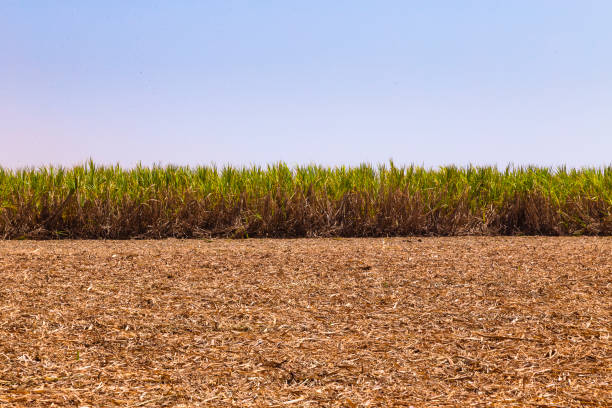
x=92 y=201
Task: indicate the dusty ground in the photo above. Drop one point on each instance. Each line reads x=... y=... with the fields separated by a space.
x=347 y=322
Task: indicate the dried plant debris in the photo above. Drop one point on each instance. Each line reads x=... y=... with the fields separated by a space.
x=464 y=321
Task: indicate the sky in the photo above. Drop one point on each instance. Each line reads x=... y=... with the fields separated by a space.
x=426 y=82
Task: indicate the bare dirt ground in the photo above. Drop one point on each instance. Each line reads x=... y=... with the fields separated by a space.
x=523 y=321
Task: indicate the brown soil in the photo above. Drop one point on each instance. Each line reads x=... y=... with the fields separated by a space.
x=322 y=322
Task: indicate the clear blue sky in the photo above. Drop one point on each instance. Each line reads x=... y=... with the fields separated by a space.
x=331 y=82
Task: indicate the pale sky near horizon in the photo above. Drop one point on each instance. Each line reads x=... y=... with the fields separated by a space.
x=306 y=81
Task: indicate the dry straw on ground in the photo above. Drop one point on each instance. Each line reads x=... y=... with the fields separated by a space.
x=307 y=323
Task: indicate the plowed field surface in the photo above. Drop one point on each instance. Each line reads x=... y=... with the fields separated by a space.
x=486 y=321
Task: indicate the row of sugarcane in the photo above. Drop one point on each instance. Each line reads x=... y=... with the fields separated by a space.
x=93 y=201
